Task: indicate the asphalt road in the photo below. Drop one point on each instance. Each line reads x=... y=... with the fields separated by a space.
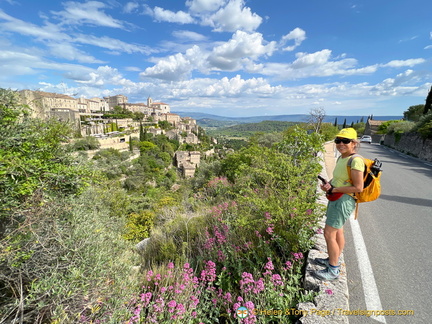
x=397 y=231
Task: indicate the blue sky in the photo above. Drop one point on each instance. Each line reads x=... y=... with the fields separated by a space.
x=224 y=57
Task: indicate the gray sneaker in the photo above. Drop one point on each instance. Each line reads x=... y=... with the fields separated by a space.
x=323 y=262
x=326 y=274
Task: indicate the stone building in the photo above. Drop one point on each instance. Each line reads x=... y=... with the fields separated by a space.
x=187 y=162
x=171 y=118
x=117 y=100
x=371 y=129
x=41 y=103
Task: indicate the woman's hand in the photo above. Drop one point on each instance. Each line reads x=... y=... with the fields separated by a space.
x=326 y=187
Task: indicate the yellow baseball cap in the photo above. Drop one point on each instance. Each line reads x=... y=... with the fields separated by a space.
x=347 y=133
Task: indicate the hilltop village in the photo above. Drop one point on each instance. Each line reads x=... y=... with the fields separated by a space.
x=86 y=115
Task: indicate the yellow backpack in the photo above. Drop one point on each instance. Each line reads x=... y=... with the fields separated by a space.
x=371 y=181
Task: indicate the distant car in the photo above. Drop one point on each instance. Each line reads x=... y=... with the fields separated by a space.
x=366 y=139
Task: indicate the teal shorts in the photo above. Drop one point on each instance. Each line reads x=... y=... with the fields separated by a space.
x=339 y=211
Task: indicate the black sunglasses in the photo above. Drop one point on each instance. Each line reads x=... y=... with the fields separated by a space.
x=342 y=140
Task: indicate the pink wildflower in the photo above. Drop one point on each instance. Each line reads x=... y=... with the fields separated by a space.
x=277 y=280
x=146 y=298
x=172 y=304
x=259 y=286
x=288 y=265
x=195 y=301
x=180 y=309
x=209 y=273
x=269 y=229
x=269 y=265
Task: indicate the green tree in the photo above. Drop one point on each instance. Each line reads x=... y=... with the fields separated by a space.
x=384 y=127
x=165 y=125
x=428 y=104
x=86 y=143
x=138 y=116
x=33 y=156
x=414 y=113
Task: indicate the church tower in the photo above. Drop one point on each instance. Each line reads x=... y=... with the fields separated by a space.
x=149 y=102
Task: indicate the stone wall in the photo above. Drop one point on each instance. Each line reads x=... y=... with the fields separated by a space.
x=411 y=144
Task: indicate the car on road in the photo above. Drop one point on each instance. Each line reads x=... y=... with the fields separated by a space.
x=366 y=139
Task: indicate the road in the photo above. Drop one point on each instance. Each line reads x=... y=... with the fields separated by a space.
x=397 y=232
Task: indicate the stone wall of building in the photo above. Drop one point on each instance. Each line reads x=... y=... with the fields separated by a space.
x=411 y=144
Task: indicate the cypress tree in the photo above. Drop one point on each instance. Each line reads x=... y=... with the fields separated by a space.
x=142 y=135
x=428 y=104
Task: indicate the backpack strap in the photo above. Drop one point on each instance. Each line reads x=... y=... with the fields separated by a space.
x=352 y=156
x=349 y=173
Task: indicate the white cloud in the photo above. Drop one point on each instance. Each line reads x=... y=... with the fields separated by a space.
x=241 y=50
x=105 y=75
x=176 y=67
x=54 y=34
x=298 y=35
x=315 y=59
x=76 y=13
x=404 y=63
x=200 y=6
x=67 y=51
x=237 y=86
x=47 y=32
x=400 y=85
x=180 y=17
x=132 y=69
x=130 y=7
x=22 y=62
x=318 y=64
x=242 y=45
x=234 y=16
x=14 y=63
x=112 y=44
x=186 y=35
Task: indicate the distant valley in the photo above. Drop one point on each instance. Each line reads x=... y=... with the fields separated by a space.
x=214 y=121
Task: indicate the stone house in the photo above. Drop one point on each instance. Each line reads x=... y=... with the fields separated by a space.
x=187 y=162
x=371 y=129
x=171 y=118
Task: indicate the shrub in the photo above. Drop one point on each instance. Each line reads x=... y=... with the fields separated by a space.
x=138 y=225
x=86 y=143
x=424 y=126
x=68 y=262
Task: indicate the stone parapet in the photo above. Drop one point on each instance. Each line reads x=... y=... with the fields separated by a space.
x=411 y=144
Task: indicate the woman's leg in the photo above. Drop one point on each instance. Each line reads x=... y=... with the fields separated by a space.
x=335 y=241
x=340 y=238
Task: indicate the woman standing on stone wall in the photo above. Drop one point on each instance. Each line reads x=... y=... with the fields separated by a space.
x=338 y=211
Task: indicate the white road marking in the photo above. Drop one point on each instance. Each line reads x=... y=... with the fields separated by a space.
x=370 y=289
